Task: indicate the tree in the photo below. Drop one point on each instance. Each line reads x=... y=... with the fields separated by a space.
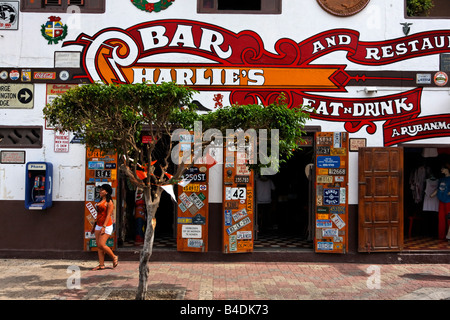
x=112 y=118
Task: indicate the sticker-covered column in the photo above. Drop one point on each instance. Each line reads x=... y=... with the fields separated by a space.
x=192 y=217
x=238 y=203
x=100 y=169
x=331 y=192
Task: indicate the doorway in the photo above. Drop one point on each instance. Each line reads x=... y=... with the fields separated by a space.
x=284 y=206
x=422 y=169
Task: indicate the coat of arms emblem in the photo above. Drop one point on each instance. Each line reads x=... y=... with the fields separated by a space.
x=54 y=30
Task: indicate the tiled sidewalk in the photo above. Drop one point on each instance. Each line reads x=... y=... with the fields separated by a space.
x=74 y=280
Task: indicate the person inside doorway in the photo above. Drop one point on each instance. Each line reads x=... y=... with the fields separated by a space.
x=443 y=194
x=264 y=189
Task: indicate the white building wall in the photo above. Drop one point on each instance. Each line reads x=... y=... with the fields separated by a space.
x=300 y=20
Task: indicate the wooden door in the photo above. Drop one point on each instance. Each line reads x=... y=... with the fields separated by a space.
x=380 y=180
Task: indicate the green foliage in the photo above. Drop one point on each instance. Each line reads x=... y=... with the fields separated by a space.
x=112 y=116
x=418 y=7
x=290 y=123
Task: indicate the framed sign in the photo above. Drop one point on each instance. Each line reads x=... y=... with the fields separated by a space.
x=12 y=157
x=9 y=15
x=356 y=143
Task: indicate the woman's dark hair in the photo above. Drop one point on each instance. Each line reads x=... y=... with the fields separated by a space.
x=108 y=190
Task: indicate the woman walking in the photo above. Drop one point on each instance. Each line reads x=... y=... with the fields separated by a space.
x=104 y=227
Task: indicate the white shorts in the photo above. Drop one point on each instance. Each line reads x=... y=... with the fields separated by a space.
x=108 y=230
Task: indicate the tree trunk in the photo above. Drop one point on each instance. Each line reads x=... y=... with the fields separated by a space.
x=147 y=249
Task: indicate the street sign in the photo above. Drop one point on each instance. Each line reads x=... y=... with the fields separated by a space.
x=16 y=96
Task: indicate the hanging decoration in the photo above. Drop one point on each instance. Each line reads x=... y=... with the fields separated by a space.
x=150 y=7
x=54 y=30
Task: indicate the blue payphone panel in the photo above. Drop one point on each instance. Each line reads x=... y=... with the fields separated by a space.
x=38 y=185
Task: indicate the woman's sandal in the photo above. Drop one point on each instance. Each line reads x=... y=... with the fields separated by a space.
x=99 y=267
x=115 y=261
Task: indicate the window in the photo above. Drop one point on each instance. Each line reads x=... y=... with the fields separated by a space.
x=239 y=6
x=61 y=6
x=427 y=9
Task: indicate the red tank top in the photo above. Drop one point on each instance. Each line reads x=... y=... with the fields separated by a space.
x=102 y=214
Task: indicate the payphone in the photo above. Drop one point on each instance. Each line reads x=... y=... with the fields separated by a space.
x=38 y=185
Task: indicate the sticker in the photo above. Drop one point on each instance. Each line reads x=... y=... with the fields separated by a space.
x=337 y=209
x=203 y=187
x=323 y=216
x=196 y=200
x=96 y=165
x=191 y=231
x=201 y=196
x=440 y=79
x=324 y=140
x=184 y=220
x=338 y=151
x=91 y=209
x=182 y=207
x=245 y=245
x=324 y=179
x=330 y=233
x=233 y=243
x=328 y=162
x=337 y=221
x=231 y=205
x=339 y=178
x=235 y=193
x=14 y=75
x=199 y=219
x=342 y=196
x=239 y=225
x=185 y=200
x=4 y=75
x=337 y=142
x=325 y=246
x=331 y=196
x=242 y=169
x=249 y=200
x=241 y=179
x=228 y=220
x=193 y=209
x=192 y=187
x=194 y=175
x=323 y=224
x=338 y=171
x=90 y=192
x=244 y=235
x=322 y=150
x=26 y=75
x=323 y=209
x=64 y=75
x=239 y=215
x=195 y=243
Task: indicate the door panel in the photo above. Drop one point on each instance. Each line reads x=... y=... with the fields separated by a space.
x=380 y=181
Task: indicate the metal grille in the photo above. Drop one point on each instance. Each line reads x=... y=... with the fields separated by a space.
x=21 y=137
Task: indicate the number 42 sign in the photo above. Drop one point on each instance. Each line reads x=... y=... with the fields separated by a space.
x=235 y=193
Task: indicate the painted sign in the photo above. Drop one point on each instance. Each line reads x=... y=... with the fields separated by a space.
x=331 y=193
x=251 y=74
